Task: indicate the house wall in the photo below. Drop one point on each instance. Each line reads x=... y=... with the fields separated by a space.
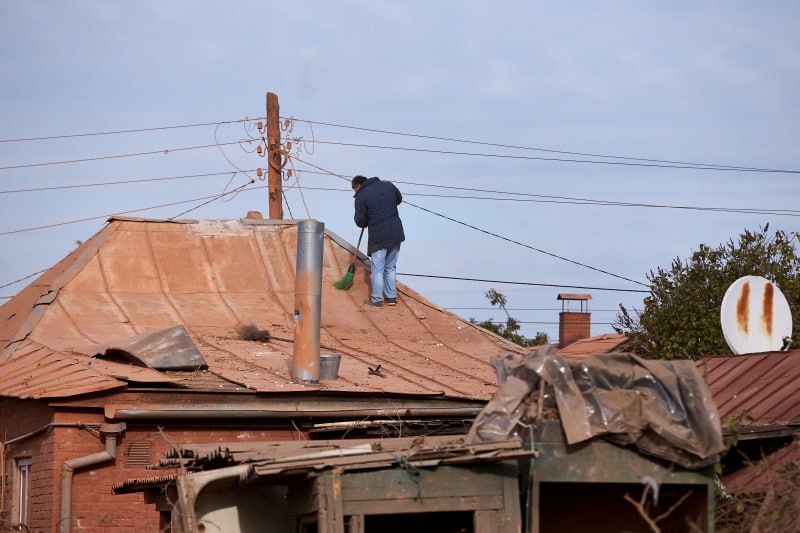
x=17 y=419
x=94 y=507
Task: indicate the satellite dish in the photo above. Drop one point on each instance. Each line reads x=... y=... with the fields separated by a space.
x=755 y=316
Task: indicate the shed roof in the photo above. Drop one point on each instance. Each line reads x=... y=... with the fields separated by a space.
x=761 y=391
x=763 y=474
x=211 y=277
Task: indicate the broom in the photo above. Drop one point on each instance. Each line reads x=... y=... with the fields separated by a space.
x=347 y=280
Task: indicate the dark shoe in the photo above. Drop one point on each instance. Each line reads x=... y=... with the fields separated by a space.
x=370 y=303
x=390 y=301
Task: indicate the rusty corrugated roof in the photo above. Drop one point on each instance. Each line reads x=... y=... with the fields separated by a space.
x=761 y=391
x=763 y=474
x=211 y=277
x=597 y=344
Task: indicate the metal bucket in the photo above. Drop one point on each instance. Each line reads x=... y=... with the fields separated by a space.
x=329 y=366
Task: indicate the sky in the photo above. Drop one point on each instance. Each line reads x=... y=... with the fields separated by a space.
x=560 y=108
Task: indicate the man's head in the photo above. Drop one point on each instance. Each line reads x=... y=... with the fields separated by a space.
x=357 y=181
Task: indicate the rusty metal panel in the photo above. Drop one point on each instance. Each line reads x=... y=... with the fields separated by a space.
x=165 y=349
x=45 y=374
x=211 y=277
x=759 y=390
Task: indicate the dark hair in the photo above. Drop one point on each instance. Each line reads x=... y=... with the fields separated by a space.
x=357 y=181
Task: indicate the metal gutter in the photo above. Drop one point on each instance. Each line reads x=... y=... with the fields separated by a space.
x=113 y=413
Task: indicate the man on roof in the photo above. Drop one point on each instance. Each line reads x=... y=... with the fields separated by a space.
x=376 y=204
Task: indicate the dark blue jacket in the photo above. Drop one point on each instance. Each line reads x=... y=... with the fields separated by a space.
x=376 y=209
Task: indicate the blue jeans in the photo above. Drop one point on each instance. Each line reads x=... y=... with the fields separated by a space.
x=383 y=277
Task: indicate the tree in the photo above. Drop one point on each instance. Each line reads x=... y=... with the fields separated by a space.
x=681 y=316
x=509 y=330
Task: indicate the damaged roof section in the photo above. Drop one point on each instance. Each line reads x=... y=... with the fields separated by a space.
x=163 y=349
x=153 y=302
x=268 y=460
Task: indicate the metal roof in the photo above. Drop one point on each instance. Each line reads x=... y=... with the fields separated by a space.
x=761 y=391
x=583 y=348
x=761 y=475
x=211 y=277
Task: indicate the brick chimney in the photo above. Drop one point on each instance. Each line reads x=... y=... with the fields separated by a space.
x=575 y=323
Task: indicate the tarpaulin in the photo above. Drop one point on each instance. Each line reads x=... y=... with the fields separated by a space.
x=663 y=408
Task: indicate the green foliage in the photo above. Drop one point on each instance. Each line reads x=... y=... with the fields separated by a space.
x=681 y=316
x=509 y=330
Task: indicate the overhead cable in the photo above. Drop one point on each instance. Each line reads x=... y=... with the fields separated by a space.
x=558 y=159
x=517 y=147
x=556 y=285
x=117 y=132
x=499 y=236
x=166 y=151
x=569 y=199
x=121 y=182
x=527 y=245
x=215 y=196
x=22 y=279
x=220 y=196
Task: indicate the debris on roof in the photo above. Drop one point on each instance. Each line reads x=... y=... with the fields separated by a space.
x=664 y=408
x=272 y=459
x=164 y=349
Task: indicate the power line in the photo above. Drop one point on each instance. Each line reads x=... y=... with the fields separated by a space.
x=522 y=283
x=529 y=246
x=234 y=192
x=22 y=279
x=122 y=182
x=117 y=132
x=517 y=147
x=499 y=236
x=559 y=159
x=46 y=226
x=567 y=199
x=166 y=151
x=775 y=212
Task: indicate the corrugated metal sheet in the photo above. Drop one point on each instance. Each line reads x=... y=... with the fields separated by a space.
x=759 y=476
x=758 y=390
x=38 y=372
x=212 y=277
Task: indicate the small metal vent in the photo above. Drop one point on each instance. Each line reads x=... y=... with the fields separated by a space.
x=138 y=453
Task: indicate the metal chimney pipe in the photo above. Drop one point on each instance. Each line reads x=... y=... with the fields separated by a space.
x=308 y=300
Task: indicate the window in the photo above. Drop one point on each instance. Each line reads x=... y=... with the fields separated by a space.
x=23 y=489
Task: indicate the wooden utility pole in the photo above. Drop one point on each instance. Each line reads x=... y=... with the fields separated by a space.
x=274 y=157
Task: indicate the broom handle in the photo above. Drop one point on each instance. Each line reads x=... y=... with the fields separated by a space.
x=355 y=252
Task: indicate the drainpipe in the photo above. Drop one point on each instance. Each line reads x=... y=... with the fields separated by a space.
x=307 y=300
x=111 y=431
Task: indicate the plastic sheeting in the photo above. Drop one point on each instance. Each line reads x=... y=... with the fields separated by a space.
x=663 y=408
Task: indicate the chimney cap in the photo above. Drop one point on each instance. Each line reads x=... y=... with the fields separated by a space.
x=567 y=296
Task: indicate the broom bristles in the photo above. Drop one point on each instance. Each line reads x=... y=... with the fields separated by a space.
x=345 y=283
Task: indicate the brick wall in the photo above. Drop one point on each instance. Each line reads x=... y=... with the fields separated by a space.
x=19 y=418
x=96 y=508
x=573 y=327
